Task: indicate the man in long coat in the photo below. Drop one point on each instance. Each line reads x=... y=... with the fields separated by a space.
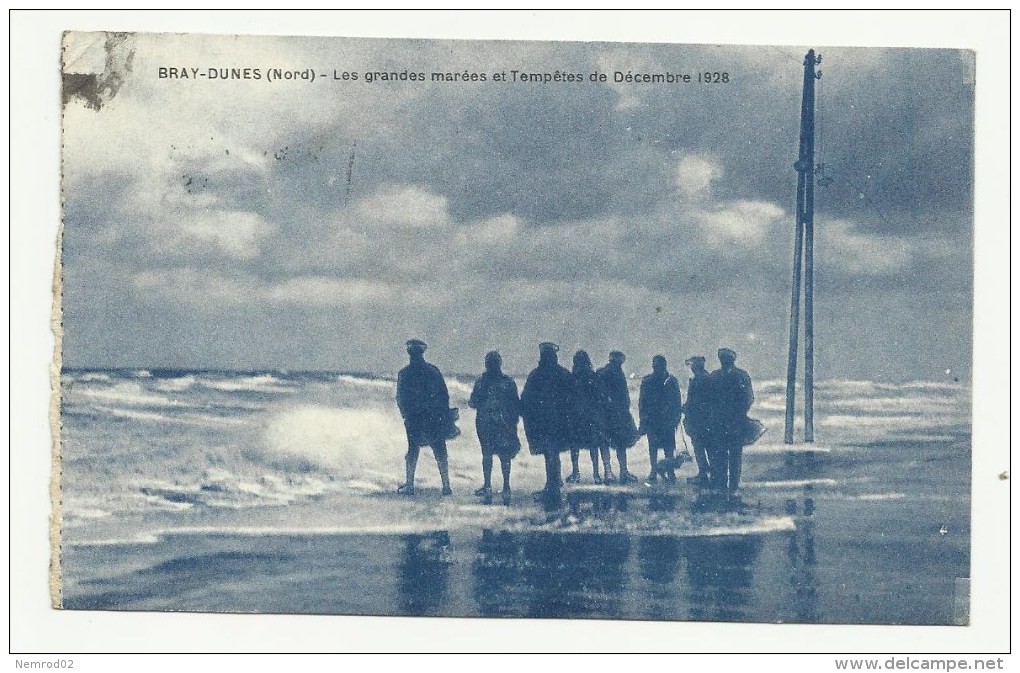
x=732 y=397
x=546 y=405
x=697 y=416
x=424 y=404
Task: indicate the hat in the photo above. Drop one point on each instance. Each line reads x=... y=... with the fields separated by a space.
x=694 y=358
x=727 y=353
x=617 y=355
x=416 y=345
x=548 y=346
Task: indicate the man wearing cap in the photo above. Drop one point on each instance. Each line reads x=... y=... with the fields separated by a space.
x=659 y=414
x=620 y=426
x=697 y=411
x=732 y=397
x=546 y=406
x=424 y=404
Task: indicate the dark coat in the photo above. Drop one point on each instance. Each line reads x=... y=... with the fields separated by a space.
x=732 y=396
x=546 y=407
x=659 y=404
x=590 y=404
x=424 y=403
x=698 y=408
x=494 y=397
x=619 y=423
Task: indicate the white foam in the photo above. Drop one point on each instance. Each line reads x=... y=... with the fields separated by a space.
x=91 y=377
x=790 y=483
x=190 y=419
x=453 y=385
x=84 y=513
x=128 y=392
x=373 y=383
x=878 y=496
x=141 y=538
x=802 y=447
x=345 y=441
x=262 y=383
x=175 y=385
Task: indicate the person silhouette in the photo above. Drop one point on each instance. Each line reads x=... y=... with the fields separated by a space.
x=620 y=426
x=424 y=404
x=494 y=397
x=546 y=404
x=697 y=411
x=732 y=397
x=589 y=422
x=659 y=407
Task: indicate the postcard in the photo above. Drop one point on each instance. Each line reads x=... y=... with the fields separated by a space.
x=515 y=329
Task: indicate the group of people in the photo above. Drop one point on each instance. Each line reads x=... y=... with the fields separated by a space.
x=582 y=410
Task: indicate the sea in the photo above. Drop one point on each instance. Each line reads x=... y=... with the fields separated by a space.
x=275 y=492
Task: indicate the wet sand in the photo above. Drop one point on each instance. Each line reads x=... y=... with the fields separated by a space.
x=881 y=536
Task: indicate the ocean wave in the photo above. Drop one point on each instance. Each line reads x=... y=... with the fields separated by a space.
x=175 y=385
x=343 y=440
x=370 y=382
x=89 y=377
x=128 y=392
x=262 y=383
x=460 y=387
x=185 y=419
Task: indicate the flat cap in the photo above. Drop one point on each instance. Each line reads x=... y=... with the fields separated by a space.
x=727 y=353
x=548 y=346
x=416 y=344
x=695 y=358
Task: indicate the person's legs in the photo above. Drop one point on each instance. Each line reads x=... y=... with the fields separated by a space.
x=553 y=475
x=575 y=472
x=718 y=465
x=653 y=455
x=625 y=475
x=669 y=448
x=410 y=464
x=504 y=464
x=736 y=456
x=594 y=454
x=607 y=464
x=701 y=457
x=439 y=451
x=486 y=470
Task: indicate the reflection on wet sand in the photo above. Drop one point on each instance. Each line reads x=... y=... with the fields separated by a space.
x=719 y=576
x=423 y=574
x=550 y=574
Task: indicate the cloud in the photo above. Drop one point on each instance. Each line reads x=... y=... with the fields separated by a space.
x=498 y=214
x=743 y=224
x=311 y=290
x=237 y=234
x=695 y=174
x=858 y=253
x=408 y=206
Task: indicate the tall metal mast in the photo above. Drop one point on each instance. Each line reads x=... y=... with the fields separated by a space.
x=804 y=255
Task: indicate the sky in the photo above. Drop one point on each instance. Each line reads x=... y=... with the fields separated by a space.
x=249 y=224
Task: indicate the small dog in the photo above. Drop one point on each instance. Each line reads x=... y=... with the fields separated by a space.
x=664 y=466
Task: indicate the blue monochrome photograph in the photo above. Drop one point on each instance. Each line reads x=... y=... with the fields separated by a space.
x=510 y=329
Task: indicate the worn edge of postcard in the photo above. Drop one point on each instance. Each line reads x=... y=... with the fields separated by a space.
x=57 y=325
